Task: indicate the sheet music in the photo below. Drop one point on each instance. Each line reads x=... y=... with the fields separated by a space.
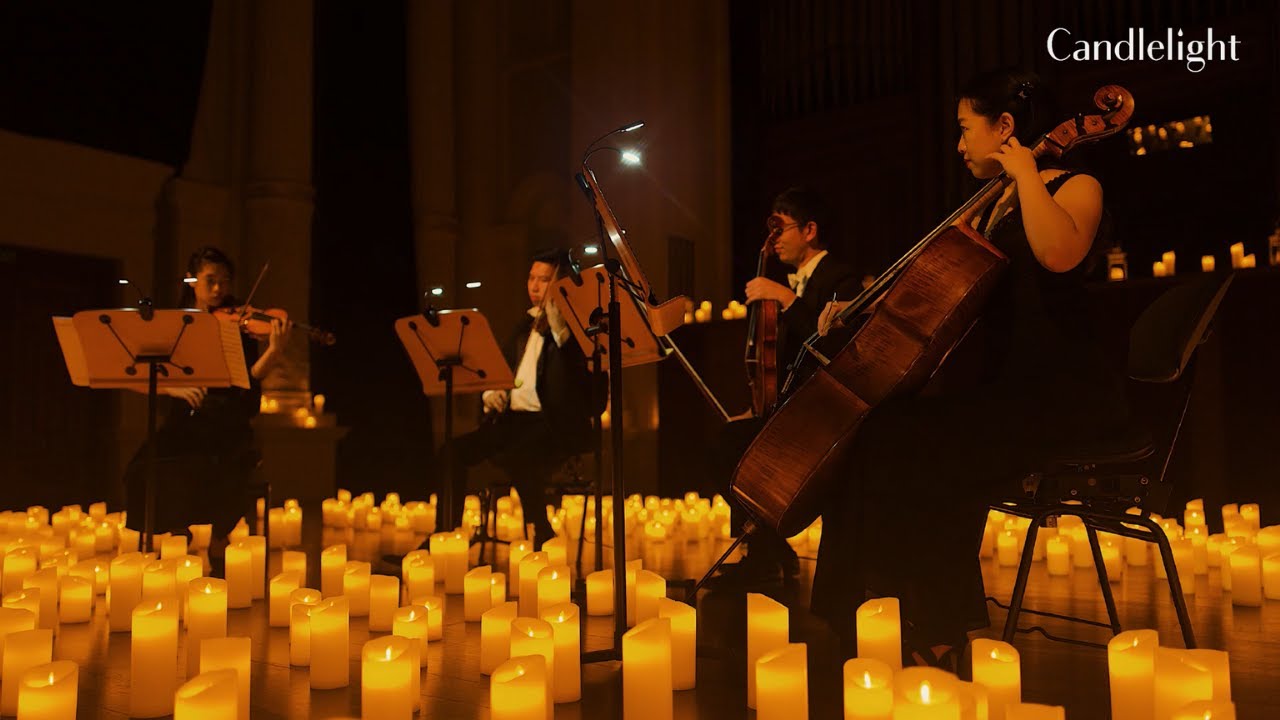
x=233 y=354
x=72 y=351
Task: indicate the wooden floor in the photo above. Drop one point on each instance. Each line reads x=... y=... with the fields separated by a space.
x=452 y=686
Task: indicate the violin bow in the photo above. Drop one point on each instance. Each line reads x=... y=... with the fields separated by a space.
x=244 y=307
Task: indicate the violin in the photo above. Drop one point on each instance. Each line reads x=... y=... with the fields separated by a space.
x=761 y=354
x=257 y=322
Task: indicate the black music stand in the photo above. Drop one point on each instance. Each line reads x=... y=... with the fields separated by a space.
x=136 y=348
x=440 y=342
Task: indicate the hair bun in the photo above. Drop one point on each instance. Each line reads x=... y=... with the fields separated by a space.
x=1024 y=90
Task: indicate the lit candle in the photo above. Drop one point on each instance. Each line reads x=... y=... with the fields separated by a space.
x=14 y=620
x=768 y=628
x=206 y=616
x=355 y=587
x=455 y=559
x=997 y=667
x=1237 y=254
x=239 y=571
x=557 y=551
x=518 y=690
x=646 y=669
x=1180 y=679
x=632 y=569
x=1033 y=711
x=411 y=622
x=1112 y=561
x=49 y=691
x=152 y=660
x=1131 y=667
x=1206 y=710
x=1207 y=263
x=531 y=636
x=868 y=689
x=1115 y=272
x=200 y=536
x=477 y=593
x=515 y=555
x=497 y=589
x=1007 y=548
x=294 y=561
x=333 y=563
x=174 y=546
x=18 y=564
x=925 y=693
x=282 y=586
x=125 y=585
x=1137 y=552
x=186 y=569
x=75 y=600
x=1250 y=513
x=258 y=566
x=229 y=653
x=23 y=650
x=387 y=668
x=650 y=588
x=600 y=593
x=1271 y=576
x=553 y=587
x=28 y=600
x=207 y=696
x=684 y=642
x=880 y=631
x=45 y=582
x=330 y=644
x=301 y=601
x=1246 y=577
x=530 y=566
x=1158 y=269
x=435 y=615
x=384 y=598
x=782 y=683
x=160 y=581
x=419 y=574
x=1057 y=552
x=495 y=635
x=567 y=663
x=1170 y=260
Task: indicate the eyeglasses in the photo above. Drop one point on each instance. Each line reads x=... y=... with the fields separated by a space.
x=776 y=226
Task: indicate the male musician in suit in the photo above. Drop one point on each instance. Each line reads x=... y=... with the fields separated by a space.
x=800 y=223
x=529 y=431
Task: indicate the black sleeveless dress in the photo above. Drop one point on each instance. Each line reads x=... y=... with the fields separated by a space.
x=908 y=521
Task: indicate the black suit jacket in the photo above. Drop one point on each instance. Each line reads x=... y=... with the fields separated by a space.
x=564 y=384
x=830 y=278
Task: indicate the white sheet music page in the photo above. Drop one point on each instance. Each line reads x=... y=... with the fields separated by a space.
x=233 y=354
x=72 y=351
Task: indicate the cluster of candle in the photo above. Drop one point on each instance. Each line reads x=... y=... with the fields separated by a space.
x=303 y=416
x=362 y=513
x=285 y=524
x=1239 y=260
x=735 y=311
x=1246 y=554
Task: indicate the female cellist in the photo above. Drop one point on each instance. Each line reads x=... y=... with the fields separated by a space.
x=909 y=514
x=205 y=446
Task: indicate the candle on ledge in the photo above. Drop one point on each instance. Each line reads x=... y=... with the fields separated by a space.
x=333 y=564
x=567 y=663
x=530 y=566
x=1158 y=269
x=880 y=631
x=387 y=668
x=330 y=644
x=49 y=691
x=1237 y=254
x=646 y=670
x=282 y=586
x=684 y=642
x=495 y=635
x=868 y=689
x=497 y=589
x=768 y=628
x=532 y=636
x=600 y=593
x=650 y=588
x=477 y=593
x=355 y=587
x=206 y=616
x=998 y=668
x=239 y=572
x=75 y=599
x=229 y=653
x=152 y=660
x=208 y=695
x=301 y=601
x=384 y=598
x=1170 y=260
x=553 y=588
x=518 y=690
x=782 y=683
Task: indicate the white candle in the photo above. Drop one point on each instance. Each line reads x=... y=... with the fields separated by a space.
x=515 y=554
x=600 y=593
x=355 y=587
x=684 y=642
x=28 y=600
x=1206 y=710
x=387 y=668
x=208 y=695
x=553 y=587
x=19 y=563
x=411 y=622
x=153 y=659
x=239 y=571
x=529 y=568
x=282 y=586
x=782 y=683
x=330 y=644
x=1207 y=263
x=435 y=616
x=531 y=636
x=495 y=635
x=14 y=620
x=333 y=564
x=301 y=601
x=49 y=691
x=206 y=616
x=518 y=690
x=998 y=668
x=257 y=565
x=868 y=689
x=46 y=582
x=125 y=585
x=879 y=631
x=646 y=670
x=768 y=628
x=1180 y=679
x=229 y=653
x=384 y=599
x=650 y=588
x=557 y=551
x=477 y=593
x=455 y=557
x=75 y=600
x=1007 y=548
x=566 y=634
x=294 y=560
x=1034 y=711
x=926 y=693
x=1246 y=577
x=1131 y=667
x=23 y=650
x=497 y=589
x=174 y=546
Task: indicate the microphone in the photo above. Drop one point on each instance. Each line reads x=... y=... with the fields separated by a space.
x=146 y=308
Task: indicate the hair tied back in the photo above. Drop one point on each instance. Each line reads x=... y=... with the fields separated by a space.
x=1024 y=91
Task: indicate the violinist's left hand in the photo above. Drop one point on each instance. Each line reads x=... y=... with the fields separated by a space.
x=1016 y=160
x=765 y=289
x=279 y=335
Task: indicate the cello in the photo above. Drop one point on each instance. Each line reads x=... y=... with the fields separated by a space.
x=906 y=323
x=761 y=354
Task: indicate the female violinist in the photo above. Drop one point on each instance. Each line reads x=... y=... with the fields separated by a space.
x=922 y=468
x=205 y=446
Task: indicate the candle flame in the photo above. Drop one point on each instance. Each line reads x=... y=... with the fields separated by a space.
x=866 y=679
x=561 y=616
x=208 y=588
x=51 y=682
x=412 y=615
x=388 y=652
x=995 y=654
x=924 y=693
x=1208 y=714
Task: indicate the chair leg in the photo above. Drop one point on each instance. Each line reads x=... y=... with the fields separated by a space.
x=1175 y=588
x=1020 y=585
x=1103 y=581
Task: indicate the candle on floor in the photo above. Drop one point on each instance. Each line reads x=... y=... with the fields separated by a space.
x=477 y=594
x=19 y=563
x=600 y=593
x=768 y=628
x=330 y=644
x=1250 y=513
x=355 y=587
x=515 y=555
x=868 y=689
x=75 y=600
x=301 y=601
x=646 y=670
x=125 y=583
x=553 y=587
x=456 y=546
x=14 y=620
x=23 y=650
x=1207 y=263
x=282 y=586
x=46 y=583
x=294 y=561
x=557 y=551
x=206 y=616
x=530 y=566
x=174 y=546
x=434 y=605
x=200 y=537
x=998 y=668
x=186 y=569
x=152 y=660
x=207 y=696
x=518 y=690
x=1007 y=548
x=495 y=635
x=880 y=631
x=497 y=589
x=632 y=568
x=411 y=622
x=1111 y=559
x=925 y=693
x=532 y=636
x=239 y=572
x=1206 y=710
x=684 y=642
x=567 y=663
x=1246 y=577
x=782 y=683
x=229 y=653
x=49 y=691
x=257 y=565
x=419 y=575
x=160 y=581
x=387 y=668
x=650 y=588
x=28 y=599
x=1131 y=667
x=1180 y=678
x=333 y=564
x=384 y=598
